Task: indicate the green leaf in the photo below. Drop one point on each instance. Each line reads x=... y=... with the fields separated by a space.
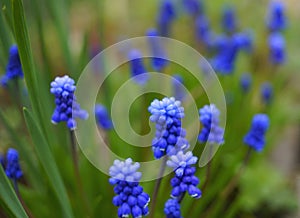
x=9 y=196
x=44 y=154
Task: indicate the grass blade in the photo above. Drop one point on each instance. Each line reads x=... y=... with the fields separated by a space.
x=44 y=154
x=9 y=196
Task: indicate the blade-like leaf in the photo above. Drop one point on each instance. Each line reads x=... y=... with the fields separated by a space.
x=9 y=196
x=44 y=154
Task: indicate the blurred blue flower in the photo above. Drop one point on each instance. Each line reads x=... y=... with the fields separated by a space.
x=172 y=209
x=229 y=19
x=203 y=31
x=67 y=109
x=227 y=48
x=255 y=138
x=166 y=16
x=170 y=136
x=130 y=197
x=276 y=18
x=193 y=7
x=178 y=89
x=266 y=91
x=277 y=48
x=245 y=82
x=211 y=131
x=2 y=160
x=102 y=117
x=159 y=60
x=138 y=70
x=13 y=169
x=185 y=179
x=243 y=40
x=13 y=68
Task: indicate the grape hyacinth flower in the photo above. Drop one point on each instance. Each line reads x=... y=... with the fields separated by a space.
x=172 y=209
x=255 y=138
x=165 y=18
x=245 y=82
x=193 y=7
x=67 y=109
x=203 y=31
x=185 y=179
x=170 y=136
x=228 y=19
x=178 y=88
x=276 y=18
x=130 y=197
x=13 y=68
x=13 y=169
x=266 y=91
x=159 y=60
x=277 y=48
x=2 y=161
x=211 y=131
x=102 y=117
x=138 y=70
x=228 y=48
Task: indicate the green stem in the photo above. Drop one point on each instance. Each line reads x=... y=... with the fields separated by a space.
x=28 y=212
x=157 y=185
x=215 y=208
x=77 y=172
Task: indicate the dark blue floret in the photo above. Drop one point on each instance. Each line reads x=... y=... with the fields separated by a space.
x=102 y=117
x=172 y=209
x=13 y=169
x=13 y=68
x=255 y=138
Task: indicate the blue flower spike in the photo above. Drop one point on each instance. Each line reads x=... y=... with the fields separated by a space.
x=211 y=131
x=138 y=70
x=245 y=82
x=102 y=117
x=13 y=169
x=130 y=197
x=13 y=68
x=276 y=18
x=229 y=19
x=276 y=48
x=193 y=7
x=266 y=91
x=178 y=88
x=67 y=109
x=185 y=179
x=170 y=136
x=159 y=59
x=255 y=138
x=165 y=17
